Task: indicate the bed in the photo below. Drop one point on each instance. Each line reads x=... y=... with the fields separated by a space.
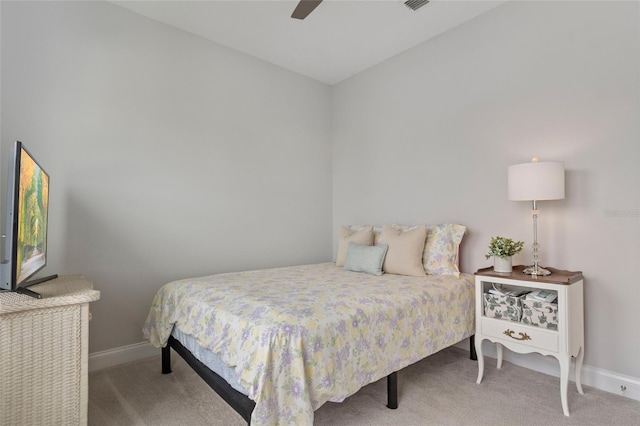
x=298 y=337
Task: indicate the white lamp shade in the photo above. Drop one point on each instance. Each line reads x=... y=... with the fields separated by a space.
x=536 y=181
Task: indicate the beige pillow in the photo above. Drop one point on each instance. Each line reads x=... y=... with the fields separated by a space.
x=363 y=237
x=404 y=256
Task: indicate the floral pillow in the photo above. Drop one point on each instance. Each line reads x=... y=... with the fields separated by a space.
x=441 y=250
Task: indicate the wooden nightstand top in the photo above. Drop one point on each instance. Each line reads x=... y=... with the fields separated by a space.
x=557 y=276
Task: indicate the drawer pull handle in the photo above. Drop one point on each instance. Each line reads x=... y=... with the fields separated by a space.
x=523 y=336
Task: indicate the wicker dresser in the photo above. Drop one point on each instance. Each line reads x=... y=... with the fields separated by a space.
x=44 y=349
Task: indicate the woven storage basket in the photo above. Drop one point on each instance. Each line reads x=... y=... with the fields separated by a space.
x=44 y=354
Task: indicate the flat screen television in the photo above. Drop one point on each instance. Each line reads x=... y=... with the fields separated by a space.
x=27 y=205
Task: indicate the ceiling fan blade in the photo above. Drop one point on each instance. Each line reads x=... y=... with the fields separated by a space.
x=304 y=8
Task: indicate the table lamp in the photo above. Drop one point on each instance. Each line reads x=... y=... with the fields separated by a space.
x=536 y=181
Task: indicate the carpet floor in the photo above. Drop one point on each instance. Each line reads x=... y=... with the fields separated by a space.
x=439 y=390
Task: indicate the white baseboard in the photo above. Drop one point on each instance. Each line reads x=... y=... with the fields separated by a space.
x=121 y=355
x=598 y=378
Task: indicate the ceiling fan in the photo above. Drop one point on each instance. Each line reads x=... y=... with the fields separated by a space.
x=305 y=7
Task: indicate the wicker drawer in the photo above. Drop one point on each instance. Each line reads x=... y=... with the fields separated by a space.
x=518 y=333
x=44 y=349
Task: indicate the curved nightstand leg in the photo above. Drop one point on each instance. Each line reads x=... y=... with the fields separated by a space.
x=579 y=360
x=499 y=348
x=565 y=364
x=480 y=359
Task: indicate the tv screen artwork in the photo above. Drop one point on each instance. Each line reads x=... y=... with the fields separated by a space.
x=33 y=206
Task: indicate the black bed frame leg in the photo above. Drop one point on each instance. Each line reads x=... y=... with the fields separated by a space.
x=392 y=390
x=472 y=348
x=166 y=360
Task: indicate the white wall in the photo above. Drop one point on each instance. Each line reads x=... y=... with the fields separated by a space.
x=426 y=137
x=170 y=156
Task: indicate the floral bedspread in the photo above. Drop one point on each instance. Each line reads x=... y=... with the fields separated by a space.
x=300 y=336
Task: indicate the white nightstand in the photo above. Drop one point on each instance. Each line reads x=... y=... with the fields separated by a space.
x=563 y=343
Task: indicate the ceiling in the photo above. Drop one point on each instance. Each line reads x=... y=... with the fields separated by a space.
x=338 y=39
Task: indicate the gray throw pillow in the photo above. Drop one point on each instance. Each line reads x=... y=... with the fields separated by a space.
x=367 y=259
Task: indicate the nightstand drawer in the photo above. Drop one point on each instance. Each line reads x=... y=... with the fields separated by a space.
x=517 y=333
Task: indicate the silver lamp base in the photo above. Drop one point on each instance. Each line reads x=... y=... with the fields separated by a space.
x=536 y=270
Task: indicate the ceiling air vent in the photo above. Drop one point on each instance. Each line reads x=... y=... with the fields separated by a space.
x=415 y=4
